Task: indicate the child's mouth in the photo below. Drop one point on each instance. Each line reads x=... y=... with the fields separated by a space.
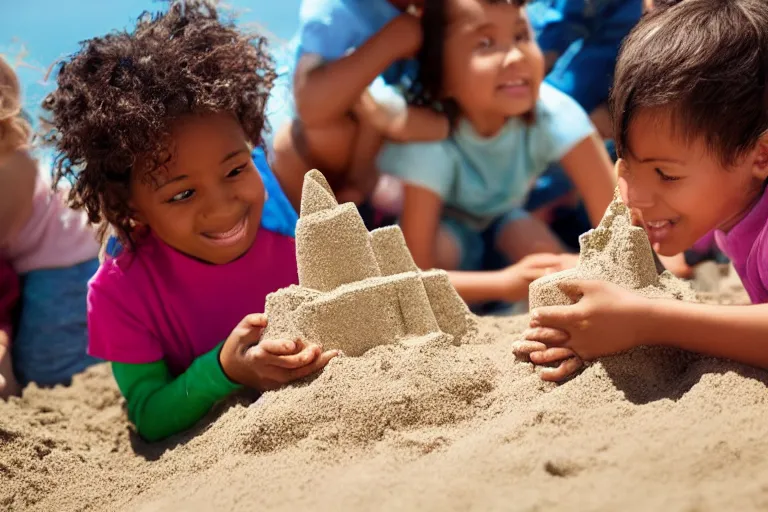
x=659 y=230
x=515 y=88
x=231 y=236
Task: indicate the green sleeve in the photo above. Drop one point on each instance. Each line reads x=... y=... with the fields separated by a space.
x=160 y=405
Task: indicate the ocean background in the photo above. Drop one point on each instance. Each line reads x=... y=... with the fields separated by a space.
x=34 y=34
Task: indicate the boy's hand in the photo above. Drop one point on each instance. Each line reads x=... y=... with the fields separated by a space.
x=520 y=275
x=268 y=364
x=539 y=354
x=605 y=320
x=406 y=34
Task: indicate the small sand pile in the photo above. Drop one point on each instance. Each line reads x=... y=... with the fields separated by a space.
x=618 y=252
x=358 y=290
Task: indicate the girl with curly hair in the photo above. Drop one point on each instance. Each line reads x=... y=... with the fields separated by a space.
x=52 y=251
x=156 y=128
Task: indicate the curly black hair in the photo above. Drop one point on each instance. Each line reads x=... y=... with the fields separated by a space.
x=117 y=96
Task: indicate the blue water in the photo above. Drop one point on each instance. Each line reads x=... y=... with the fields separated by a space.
x=34 y=34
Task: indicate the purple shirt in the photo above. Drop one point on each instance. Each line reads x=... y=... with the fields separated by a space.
x=746 y=244
x=9 y=295
x=158 y=304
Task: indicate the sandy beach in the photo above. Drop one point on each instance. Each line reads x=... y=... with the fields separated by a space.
x=431 y=427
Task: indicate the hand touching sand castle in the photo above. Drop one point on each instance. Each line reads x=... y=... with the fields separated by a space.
x=268 y=364
x=595 y=309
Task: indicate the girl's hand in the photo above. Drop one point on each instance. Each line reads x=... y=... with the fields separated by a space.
x=520 y=275
x=268 y=364
x=605 y=320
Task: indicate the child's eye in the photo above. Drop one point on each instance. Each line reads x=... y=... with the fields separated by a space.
x=523 y=36
x=181 y=196
x=235 y=172
x=485 y=42
x=665 y=177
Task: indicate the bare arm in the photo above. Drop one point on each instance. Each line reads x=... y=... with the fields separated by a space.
x=18 y=177
x=420 y=222
x=589 y=167
x=327 y=91
x=739 y=333
x=412 y=124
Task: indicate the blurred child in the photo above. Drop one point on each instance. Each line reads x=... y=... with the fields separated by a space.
x=580 y=40
x=9 y=296
x=156 y=128
x=463 y=196
x=51 y=247
x=341 y=119
x=690 y=109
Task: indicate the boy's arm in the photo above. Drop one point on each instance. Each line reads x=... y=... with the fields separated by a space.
x=327 y=91
x=160 y=405
x=589 y=166
x=739 y=333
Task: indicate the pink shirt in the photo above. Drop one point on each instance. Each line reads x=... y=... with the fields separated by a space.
x=53 y=236
x=9 y=294
x=747 y=247
x=158 y=304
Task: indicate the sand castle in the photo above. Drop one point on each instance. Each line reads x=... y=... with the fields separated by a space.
x=358 y=290
x=618 y=252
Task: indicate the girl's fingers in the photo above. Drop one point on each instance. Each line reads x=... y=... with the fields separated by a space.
x=281 y=347
x=256 y=320
x=290 y=362
x=318 y=364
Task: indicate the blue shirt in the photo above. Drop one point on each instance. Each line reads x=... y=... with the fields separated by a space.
x=488 y=177
x=334 y=28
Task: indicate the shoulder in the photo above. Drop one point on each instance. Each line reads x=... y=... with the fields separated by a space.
x=559 y=124
x=430 y=165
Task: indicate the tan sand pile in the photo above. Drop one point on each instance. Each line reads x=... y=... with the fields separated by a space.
x=358 y=290
x=413 y=426
x=617 y=252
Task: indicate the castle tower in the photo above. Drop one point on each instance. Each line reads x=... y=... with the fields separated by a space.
x=333 y=246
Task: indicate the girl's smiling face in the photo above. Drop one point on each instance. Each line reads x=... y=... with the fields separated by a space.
x=206 y=201
x=680 y=189
x=493 y=66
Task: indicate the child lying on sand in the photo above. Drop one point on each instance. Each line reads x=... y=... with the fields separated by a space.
x=156 y=128
x=50 y=247
x=690 y=109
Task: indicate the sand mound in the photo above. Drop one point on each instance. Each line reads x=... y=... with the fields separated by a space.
x=358 y=290
x=413 y=423
x=617 y=252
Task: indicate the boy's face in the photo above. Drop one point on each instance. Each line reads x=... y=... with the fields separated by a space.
x=680 y=189
x=206 y=201
x=493 y=66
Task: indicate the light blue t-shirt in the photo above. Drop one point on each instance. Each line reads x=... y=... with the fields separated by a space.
x=488 y=177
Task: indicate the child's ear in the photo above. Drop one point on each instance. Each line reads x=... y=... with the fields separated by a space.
x=760 y=162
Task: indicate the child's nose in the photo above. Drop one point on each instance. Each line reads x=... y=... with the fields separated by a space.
x=635 y=193
x=514 y=56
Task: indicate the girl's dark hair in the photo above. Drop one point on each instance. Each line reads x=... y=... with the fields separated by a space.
x=117 y=96
x=427 y=90
x=703 y=62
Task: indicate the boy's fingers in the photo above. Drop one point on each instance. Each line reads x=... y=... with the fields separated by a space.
x=551 y=355
x=565 y=370
x=523 y=348
x=556 y=317
x=546 y=335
